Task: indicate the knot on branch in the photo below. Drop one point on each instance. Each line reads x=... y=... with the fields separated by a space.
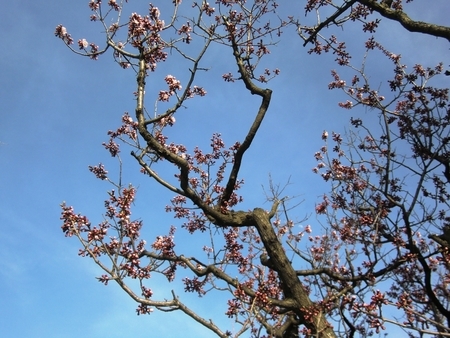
x=267 y=261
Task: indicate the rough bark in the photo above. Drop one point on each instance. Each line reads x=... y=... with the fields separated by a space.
x=288 y=276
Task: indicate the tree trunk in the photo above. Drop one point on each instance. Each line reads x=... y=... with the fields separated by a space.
x=286 y=273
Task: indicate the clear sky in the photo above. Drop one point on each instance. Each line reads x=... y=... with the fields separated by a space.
x=55 y=110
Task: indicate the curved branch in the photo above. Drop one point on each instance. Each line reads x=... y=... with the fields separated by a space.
x=409 y=24
x=254 y=90
x=121 y=50
x=220 y=274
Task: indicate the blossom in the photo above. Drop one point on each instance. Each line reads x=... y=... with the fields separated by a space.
x=83 y=44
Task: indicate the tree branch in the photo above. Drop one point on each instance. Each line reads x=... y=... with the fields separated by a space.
x=255 y=90
x=409 y=24
x=329 y=20
x=206 y=323
x=287 y=274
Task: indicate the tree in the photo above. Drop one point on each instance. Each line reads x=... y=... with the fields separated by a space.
x=383 y=257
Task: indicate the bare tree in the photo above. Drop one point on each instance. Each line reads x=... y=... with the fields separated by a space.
x=384 y=254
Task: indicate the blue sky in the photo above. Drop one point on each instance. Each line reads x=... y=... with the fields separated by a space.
x=55 y=110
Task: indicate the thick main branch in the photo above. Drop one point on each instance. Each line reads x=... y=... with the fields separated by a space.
x=288 y=276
